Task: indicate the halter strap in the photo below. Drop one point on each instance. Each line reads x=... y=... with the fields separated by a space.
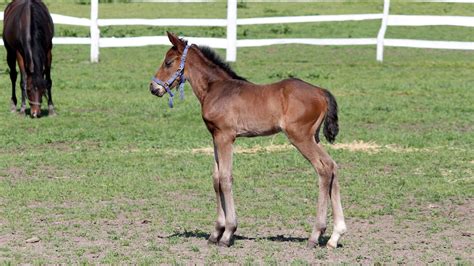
x=178 y=74
x=26 y=95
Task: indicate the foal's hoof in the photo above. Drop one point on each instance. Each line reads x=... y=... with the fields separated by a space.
x=212 y=241
x=224 y=244
x=331 y=245
x=311 y=244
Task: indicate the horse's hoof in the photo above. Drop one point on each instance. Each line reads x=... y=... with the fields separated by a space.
x=311 y=244
x=51 y=111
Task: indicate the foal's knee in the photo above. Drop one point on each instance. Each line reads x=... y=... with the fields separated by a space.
x=326 y=167
x=320 y=226
x=215 y=181
x=225 y=182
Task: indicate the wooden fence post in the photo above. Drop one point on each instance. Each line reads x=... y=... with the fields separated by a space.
x=231 y=53
x=94 y=31
x=383 y=29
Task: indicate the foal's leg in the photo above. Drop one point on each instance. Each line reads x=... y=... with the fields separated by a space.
x=51 y=111
x=338 y=215
x=220 y=222
x=223 y=143
x=326 y=169
x=11 y=60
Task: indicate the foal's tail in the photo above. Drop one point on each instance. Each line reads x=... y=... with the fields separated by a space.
x=331 y=128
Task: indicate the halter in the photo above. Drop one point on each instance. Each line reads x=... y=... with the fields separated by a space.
x=26 y=95
x=178 y=74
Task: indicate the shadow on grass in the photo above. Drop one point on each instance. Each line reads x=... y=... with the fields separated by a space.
x=279 y=238
x=27 y=113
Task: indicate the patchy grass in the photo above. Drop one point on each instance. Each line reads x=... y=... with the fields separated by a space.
x=118 y=177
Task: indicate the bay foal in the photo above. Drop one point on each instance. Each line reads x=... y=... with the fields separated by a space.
x=234 y=107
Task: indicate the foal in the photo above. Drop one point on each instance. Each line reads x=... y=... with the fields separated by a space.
x=233 y=107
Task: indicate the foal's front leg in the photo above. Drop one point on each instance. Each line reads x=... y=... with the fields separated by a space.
x=220 y=222
x=223 y=144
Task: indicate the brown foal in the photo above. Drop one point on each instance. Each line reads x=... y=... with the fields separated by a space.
x=233 y=107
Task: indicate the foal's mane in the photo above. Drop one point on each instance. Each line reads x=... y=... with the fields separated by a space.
x=216 y=59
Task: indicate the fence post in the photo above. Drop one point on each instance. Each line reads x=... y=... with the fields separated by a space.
x=383 y=29
x=231 y=53
x=94 y=31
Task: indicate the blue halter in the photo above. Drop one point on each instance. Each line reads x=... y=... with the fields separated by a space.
x=178 y=74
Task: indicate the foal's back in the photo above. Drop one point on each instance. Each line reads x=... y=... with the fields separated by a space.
x=255 y=110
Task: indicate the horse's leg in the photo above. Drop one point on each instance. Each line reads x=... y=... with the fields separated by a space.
x=11 y=60
x=220 y=222
x=51 y=111
x=304 y=141
x=223 y=143
x=21 y=65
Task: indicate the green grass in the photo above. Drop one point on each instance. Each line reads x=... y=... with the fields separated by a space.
x=116 y=156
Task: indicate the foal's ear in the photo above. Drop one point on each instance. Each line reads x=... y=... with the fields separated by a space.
x=176 y=41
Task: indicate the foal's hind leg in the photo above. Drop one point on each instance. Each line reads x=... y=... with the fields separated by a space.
x=328 y=186
x=11 y=60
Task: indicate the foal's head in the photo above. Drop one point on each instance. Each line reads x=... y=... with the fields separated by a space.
x=171 y=71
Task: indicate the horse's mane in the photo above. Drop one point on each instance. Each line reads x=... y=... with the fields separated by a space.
x=216 y=59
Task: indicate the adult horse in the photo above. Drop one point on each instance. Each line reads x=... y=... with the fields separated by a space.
x=233 y=107
x=27 y=34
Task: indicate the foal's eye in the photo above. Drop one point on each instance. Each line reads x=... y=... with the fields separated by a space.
x=168 y=63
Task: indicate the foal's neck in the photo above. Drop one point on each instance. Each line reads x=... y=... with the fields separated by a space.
x=200 y=72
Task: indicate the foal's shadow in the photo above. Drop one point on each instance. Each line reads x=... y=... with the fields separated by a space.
x=279 y=238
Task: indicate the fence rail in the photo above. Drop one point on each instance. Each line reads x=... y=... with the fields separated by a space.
x=231 y=42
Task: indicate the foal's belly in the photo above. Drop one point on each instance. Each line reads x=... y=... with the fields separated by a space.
x=257 y=124
x=255 y=132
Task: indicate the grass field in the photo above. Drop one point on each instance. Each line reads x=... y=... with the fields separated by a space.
x=118 y=177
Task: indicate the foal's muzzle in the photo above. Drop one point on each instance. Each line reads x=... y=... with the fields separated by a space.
x=157 y=89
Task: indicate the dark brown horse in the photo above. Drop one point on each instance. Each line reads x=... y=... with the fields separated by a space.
x=27 y=34
x=233 y=107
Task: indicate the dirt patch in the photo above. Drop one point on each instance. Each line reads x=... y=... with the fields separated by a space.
x=369 y=147
x=250 y=150
x=444 y=235
x=355 y=146
x=14 y=173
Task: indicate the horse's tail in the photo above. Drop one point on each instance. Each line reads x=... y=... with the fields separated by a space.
x=331 y=127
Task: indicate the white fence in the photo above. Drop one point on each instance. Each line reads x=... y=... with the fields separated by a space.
x=231 y=42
